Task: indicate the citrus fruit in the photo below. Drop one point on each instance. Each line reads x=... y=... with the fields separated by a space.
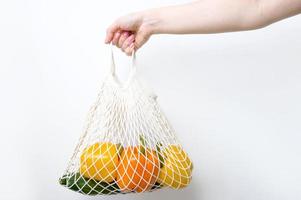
x=177 y=168
x=137 y=171
x=99 y=161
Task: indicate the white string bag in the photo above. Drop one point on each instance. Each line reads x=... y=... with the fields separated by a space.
x=127 y=144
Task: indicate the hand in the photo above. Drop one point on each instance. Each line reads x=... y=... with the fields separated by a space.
x=129 y=32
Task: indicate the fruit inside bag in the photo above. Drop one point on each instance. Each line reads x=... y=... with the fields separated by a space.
x=128 y=145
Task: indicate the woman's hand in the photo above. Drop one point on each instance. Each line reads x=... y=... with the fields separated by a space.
x=129 y=32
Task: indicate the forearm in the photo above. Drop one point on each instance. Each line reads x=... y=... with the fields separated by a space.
x=214 y=16
x=131 y=31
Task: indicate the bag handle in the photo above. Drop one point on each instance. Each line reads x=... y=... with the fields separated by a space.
x=133 y=62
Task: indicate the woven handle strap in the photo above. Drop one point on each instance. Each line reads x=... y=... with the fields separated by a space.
x=133 y=62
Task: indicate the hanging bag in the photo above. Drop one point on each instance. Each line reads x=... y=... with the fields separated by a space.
x=127 y=144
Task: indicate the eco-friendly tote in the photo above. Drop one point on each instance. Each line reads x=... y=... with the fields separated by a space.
x=127 y=145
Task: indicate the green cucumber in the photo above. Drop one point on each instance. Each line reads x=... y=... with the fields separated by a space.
x=107 y=188
x=63 y=180
x=78 y=183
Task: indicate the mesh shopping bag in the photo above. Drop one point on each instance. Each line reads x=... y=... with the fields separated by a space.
x=127 y=145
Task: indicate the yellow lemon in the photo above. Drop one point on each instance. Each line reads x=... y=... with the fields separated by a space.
x=177 y=169
x=99 y=161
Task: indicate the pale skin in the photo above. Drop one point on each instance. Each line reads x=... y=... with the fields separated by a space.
x=131 y=31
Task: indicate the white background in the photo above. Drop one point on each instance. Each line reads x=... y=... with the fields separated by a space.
x=234 y=99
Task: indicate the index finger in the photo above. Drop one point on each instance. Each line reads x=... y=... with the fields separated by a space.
x=110 y=32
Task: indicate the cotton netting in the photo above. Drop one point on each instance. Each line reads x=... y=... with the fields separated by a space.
x=127 y=145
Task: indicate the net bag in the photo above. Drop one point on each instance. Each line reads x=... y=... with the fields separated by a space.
x=128 y=145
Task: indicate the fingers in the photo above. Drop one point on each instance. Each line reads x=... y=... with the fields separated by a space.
x=127 y=42
x=128 y=45
x=129 y=50
x=128 y=33
x=111 y=32
x=122 y=38
x=116 y=37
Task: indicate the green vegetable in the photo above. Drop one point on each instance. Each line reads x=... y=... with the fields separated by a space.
x=63 y=180
x=142 y=144
x=159 y=147
x=119 y=149
x=156 y=186
x=78 y=183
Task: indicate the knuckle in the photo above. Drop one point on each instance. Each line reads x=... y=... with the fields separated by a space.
x=123 y=36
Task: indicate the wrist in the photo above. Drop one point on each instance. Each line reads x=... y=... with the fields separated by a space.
x=150 y=21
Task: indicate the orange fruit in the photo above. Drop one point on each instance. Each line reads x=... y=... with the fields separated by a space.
x=151 y=172
x=137 y=171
